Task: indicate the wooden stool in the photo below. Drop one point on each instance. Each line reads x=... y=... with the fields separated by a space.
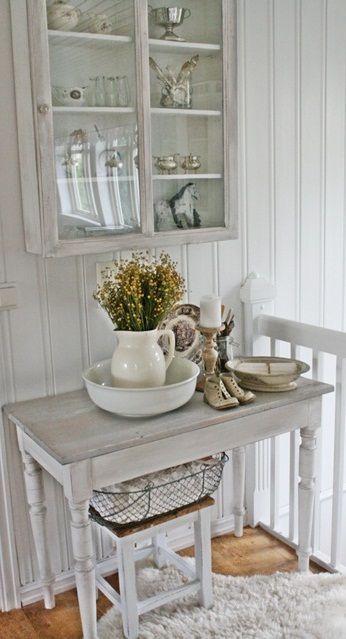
x=127 y=536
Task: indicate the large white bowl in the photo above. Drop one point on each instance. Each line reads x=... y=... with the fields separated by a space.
x=179 y=387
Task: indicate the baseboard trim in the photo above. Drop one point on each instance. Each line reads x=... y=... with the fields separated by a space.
x=31 y=593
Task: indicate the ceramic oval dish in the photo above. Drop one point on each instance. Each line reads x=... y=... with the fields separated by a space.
x=268 y=374
x=178 y=389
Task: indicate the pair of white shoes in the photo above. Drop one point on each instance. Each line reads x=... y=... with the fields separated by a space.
x=222 y=391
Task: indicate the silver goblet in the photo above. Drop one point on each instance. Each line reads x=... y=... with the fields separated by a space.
x=169 y=17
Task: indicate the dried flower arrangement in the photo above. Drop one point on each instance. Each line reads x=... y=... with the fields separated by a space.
x=138 y=293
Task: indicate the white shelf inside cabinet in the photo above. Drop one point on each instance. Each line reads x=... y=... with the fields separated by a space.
x=60 y=37
x=86 y=109
x=189 y=176
x=166 y=46
x=114 y=178
x=195 y=112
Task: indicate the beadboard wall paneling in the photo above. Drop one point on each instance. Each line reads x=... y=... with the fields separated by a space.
x=291 y=63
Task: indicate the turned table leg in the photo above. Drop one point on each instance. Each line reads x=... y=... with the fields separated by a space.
x=82 y=545
x=238 y=457
x=306 y=495
x=37 y=509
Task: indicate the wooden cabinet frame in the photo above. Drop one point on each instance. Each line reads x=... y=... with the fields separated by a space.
x=36 y=141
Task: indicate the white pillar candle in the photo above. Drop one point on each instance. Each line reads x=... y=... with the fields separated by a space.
x=210 y=316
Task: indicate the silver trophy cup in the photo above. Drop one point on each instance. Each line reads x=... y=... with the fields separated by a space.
x=169 y=17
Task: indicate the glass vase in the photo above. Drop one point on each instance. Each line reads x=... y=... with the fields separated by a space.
x=225 y=351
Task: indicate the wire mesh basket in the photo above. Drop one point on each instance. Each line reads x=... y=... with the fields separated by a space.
x=134 y=506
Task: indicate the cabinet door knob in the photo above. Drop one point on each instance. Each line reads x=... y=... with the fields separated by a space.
x=43 y=108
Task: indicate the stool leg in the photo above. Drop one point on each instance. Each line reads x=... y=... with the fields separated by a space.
x=203 y=557
x=127 y=583
x=158 y=542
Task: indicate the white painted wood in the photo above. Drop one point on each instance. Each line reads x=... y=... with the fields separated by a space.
x=107 y=590
x=36 y=501
x=203 y=557
x=293 y=486
x=258 y=174
x=86 y=109
x=312 y=132
x=37 y=52
x=166 y=597
x=285 y=177
x=238 y=458
x=127 y=583
x=189 y=112
x=174 y=443
x=307 y=473
x=319 y=339
x=257 y=295
x=64 y=426
x=274 y=482
x=78 y=35
x=191 y=176
x=183 y=47
x=200 y=579
x=317 y=373
x=29 y=368
x=179 y=562
x=9 y=573
x=84 y=566
x=26 y=131
x=159 y=541
x=339 y=461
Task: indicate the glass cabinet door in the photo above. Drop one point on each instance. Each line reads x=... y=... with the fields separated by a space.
x=133 y=123
x=186 y=91
x=93 y=88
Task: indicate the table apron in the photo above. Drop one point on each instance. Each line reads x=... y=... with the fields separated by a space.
x=149 y=457
x=51 y=465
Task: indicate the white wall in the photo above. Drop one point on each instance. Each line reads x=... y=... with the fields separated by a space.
x=291 y=205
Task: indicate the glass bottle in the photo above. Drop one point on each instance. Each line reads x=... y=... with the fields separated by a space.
x=123 y=91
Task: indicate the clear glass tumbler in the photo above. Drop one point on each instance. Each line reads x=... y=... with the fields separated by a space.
x=111 y=92
x=225 y=351
x=100 y=96
x=91 y=94
x=123 y=91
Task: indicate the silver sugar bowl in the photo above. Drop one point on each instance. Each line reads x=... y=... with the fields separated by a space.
x=169 y=17
x=191 y=163
x=166 y=163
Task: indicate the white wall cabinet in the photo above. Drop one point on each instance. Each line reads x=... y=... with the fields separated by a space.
x=100 y=116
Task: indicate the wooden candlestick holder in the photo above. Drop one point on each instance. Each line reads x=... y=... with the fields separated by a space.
x=209 y=353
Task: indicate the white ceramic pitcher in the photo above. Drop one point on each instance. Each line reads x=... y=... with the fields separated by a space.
x=138 y=361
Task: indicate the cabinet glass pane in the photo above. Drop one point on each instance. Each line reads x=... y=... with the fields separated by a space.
x=92 y=66
x=186 y=92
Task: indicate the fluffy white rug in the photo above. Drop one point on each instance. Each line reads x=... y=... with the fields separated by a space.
x=283 y=605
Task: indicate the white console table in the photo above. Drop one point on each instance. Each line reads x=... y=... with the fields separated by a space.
x=84 y=448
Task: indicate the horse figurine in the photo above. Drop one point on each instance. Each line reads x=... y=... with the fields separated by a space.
x=179 y=211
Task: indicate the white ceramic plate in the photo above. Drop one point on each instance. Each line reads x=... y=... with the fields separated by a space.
x=268 y=374
x=142 y=402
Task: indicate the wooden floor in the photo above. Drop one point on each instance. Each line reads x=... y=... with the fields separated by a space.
x=255 y=553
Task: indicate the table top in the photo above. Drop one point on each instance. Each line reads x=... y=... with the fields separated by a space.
x=71 y=428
